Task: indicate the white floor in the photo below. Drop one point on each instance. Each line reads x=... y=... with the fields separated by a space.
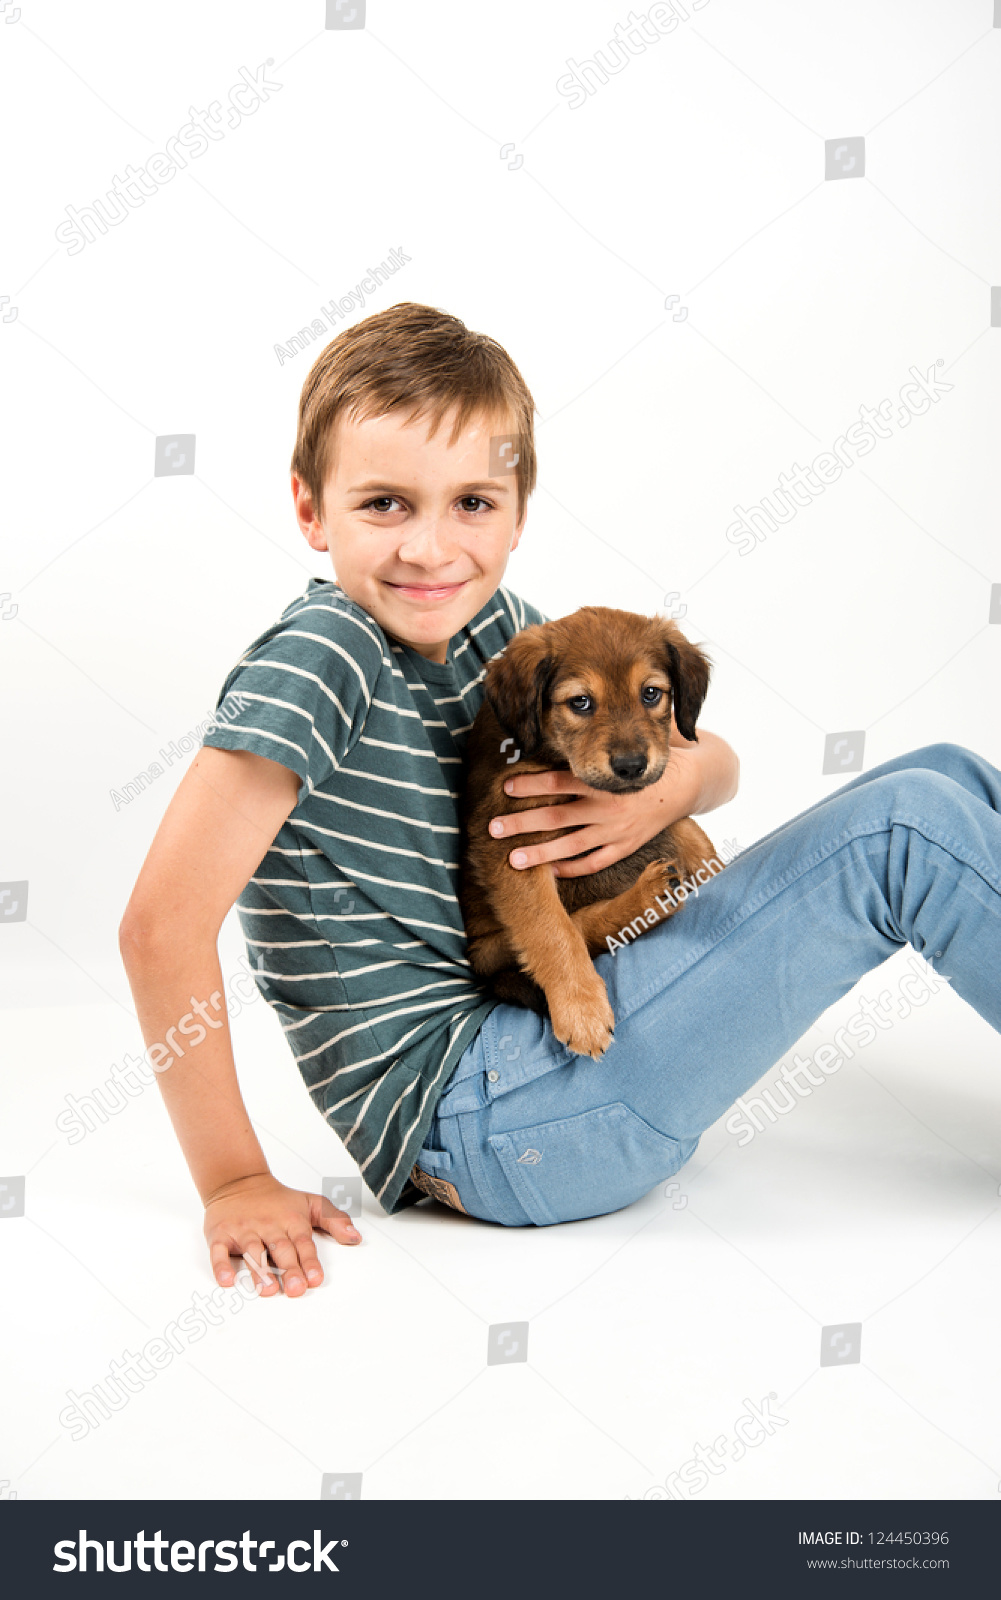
x=874 y=1201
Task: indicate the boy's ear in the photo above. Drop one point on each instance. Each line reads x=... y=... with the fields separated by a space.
x=517 y=684
x=688 y=668
x=308 y=515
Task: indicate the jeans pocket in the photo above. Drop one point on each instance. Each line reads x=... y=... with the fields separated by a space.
x=587 y=1165
x=513 y=1048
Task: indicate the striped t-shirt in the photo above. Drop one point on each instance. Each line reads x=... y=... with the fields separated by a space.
x=352 y=920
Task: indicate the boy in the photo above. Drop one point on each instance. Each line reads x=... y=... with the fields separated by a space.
x=333 y=789
x=325 y=807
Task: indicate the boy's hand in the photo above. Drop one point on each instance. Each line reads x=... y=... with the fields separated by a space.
x=257 y=1215
x=609 y=826
x=697 y=778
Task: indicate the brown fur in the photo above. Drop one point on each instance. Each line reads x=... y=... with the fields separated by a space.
x=531 y=934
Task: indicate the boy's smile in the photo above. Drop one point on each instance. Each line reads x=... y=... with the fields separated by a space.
x=418 y=532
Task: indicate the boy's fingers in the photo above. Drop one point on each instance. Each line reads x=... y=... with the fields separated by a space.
x=310 y=1261
x=222 y=1266
x=255 y=1259
x=539 y=820
x=285 y=1256
x=596 y=861
x=565 y=848
x=337 y=1223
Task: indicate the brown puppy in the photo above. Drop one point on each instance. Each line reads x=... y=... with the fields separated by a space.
x=592 y=693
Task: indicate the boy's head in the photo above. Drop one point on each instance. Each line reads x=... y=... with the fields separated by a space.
x=413 y=463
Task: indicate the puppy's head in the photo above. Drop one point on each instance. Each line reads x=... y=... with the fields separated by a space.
x=595 y=689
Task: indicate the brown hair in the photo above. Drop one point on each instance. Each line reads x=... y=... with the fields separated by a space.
x=417 y=359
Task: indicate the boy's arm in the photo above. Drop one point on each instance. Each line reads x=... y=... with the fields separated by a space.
x=215 y=832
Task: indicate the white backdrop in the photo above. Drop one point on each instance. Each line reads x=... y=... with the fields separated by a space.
x=696 y=170
x=763 y=221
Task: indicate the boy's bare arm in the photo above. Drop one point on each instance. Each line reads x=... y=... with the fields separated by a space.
x=214 y=834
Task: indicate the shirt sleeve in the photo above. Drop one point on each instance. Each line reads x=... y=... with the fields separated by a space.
x=301 y=694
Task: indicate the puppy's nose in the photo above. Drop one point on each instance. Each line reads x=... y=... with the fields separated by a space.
x=630 y=766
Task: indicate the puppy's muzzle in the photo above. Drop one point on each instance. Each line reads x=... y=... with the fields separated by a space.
x=629 y=767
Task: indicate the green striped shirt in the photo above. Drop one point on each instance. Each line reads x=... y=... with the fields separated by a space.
x=352 y=920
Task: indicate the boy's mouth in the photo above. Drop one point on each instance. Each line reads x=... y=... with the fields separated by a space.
x=426 y=591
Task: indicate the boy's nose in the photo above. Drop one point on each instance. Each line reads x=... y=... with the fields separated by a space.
x=427 y=544
x=430 y=532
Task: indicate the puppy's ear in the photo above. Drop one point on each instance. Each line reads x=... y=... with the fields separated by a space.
x=688 y=668
x=517 y=684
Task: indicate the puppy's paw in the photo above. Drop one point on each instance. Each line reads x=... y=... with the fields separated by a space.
x=583 y=1018
x=660 y=878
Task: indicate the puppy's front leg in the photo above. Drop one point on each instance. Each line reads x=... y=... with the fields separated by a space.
x=551 y=949
x=606 y=919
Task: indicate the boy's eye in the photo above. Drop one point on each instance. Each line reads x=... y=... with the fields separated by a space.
x=651 y=695
x=383 y=502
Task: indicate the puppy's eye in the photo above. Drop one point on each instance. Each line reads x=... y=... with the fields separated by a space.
x=581 y=703
x=651 y=695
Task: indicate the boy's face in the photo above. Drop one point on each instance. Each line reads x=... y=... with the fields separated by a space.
x=418 y=532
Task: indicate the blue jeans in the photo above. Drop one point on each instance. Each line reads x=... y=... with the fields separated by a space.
x=708 y=1001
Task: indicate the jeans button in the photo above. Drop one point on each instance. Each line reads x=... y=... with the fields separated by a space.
x=493 y=1076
